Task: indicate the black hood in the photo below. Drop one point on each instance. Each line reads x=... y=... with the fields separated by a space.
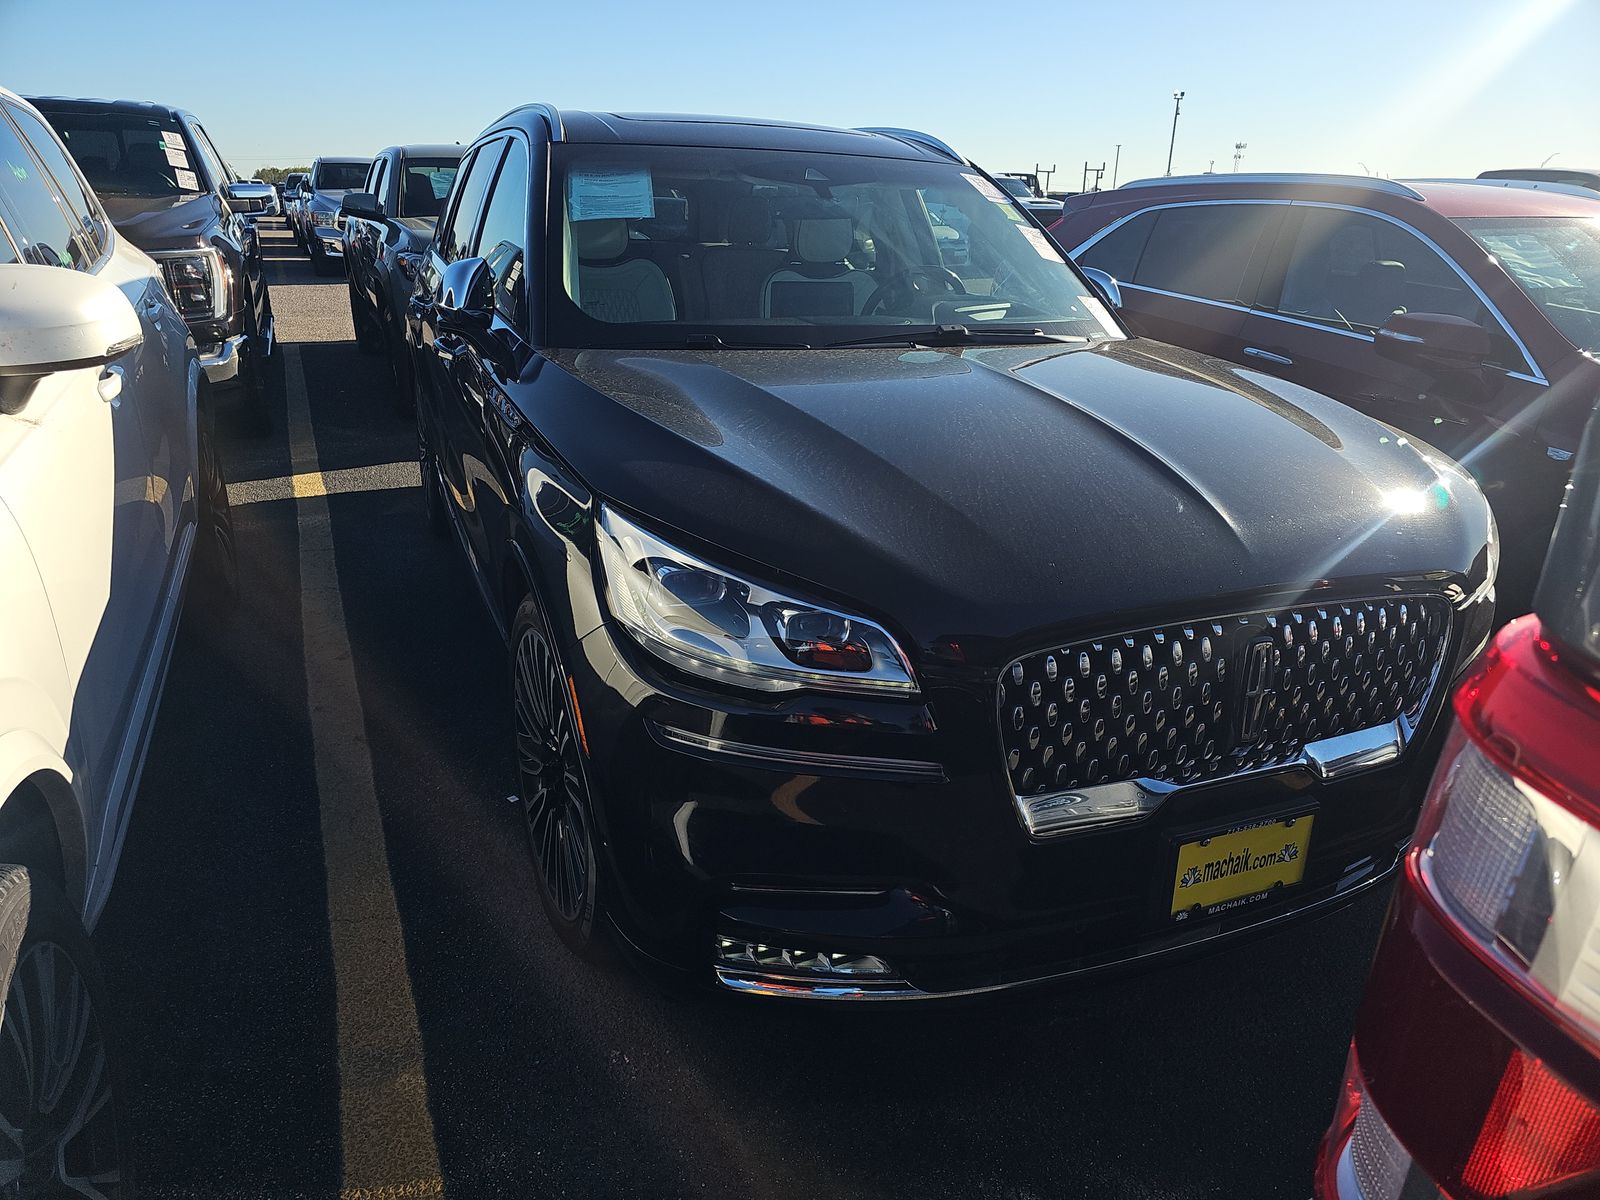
x=1004 y=492
x=166 y=222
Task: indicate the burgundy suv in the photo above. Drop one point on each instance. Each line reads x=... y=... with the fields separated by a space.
x=1464 y=314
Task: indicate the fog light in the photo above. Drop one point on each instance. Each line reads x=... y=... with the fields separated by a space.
x=740 y=952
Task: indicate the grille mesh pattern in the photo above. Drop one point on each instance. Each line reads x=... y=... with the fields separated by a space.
x=1170 y=703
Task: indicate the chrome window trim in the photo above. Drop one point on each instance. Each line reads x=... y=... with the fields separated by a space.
x=1535 y=374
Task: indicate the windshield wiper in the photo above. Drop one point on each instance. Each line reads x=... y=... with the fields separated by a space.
x=963 y=335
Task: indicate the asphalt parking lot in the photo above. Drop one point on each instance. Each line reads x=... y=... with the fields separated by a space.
x=335 y=979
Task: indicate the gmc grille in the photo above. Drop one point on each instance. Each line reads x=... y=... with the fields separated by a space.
x=1205 y=700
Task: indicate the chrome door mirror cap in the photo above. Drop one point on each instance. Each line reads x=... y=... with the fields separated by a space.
x=1105 y=284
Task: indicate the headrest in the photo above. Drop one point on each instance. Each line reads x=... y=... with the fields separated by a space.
x=602 y=239
x=823 y=239
x=750 y=221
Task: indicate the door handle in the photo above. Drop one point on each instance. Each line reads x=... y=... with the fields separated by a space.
x=448 y=345
x=109 y=385
x=1283 y=360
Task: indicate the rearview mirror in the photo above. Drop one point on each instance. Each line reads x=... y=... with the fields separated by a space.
x=58 y=320
x=1105 y=284
x=465 y=295
x=361 y=204
x=1433 y=341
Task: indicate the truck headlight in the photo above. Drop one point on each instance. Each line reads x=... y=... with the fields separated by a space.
x=711 y=622
x=196 y=283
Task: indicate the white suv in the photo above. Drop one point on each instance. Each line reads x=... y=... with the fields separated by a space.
x=109 y=490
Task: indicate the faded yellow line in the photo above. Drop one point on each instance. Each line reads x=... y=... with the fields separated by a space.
x=377 y=478
x=385 y=1130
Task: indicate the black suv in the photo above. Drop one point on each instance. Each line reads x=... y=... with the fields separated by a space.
x=168 y=190
x=887 y=626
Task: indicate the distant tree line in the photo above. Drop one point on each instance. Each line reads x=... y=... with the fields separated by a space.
x=276 y=174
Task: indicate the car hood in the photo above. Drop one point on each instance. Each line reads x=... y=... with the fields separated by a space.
x=165 y=223
x=1009 y=492
x=416 y=231
x=329 y=197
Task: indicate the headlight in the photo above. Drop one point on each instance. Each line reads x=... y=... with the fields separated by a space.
x=710 y=622
x=327 y=218
x=195 y=281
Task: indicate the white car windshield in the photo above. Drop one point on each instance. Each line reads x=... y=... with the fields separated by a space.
x=783 y=248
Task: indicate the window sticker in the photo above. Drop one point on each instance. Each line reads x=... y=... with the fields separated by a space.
x=1039 y=242
x=986 y=189
x=1099 y=313
x=176 y=156
x=609 y=193
x=188 y=180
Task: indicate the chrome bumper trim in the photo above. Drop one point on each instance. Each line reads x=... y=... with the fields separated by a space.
x=222 y=364
x=812 y=762
x=757 y=983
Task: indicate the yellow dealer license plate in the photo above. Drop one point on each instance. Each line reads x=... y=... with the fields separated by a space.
x=1240 y=865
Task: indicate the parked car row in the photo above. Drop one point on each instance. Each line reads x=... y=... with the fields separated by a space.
x=112 y=506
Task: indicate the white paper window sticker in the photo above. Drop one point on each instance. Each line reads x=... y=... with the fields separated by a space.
x=1099 y=312
x=175 y=156
x=610 y=193
x=1040 y=243
x=986 y=189
x=188 y=180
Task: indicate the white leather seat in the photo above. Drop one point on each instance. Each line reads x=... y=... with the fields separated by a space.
x=613 y=288
x=818 y=282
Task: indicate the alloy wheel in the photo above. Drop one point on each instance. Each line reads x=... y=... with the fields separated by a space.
x=555 y=794
x=58 y=1121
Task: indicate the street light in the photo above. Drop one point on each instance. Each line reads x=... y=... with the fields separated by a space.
x=1177 y=104
x=1238 y=152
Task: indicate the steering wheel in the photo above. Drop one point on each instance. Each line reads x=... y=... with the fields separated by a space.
x=913 y=284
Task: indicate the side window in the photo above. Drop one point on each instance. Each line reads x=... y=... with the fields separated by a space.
x=380 y=183
x=8 y=249
x=500 y=243
x=1118 y=253
x=1202 y=250
x=1354 y=271
x=217 y=173
x=455 y=236
x=44 y=234
x=80 y=204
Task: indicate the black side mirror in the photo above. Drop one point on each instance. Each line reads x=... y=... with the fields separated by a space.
x=361 y=204
x=466 y=295
x=1433 y=342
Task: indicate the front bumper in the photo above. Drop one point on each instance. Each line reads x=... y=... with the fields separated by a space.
x=861 y=827
x=220 y=360
x=330 y=239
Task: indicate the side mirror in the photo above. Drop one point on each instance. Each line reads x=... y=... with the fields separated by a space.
x=58 y=320
x=361 y=204
x=1105 y=284
x=1433 y=341
x=466 y=295
x=248 y=197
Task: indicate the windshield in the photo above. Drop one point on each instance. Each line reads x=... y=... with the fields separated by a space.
x=425 y=184
x=1556 y=260
x=340 y=177
x=668 y=245
x=129 y=154
x=1017 y=187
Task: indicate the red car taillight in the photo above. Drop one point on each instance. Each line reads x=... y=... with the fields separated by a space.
x=1538 y=1132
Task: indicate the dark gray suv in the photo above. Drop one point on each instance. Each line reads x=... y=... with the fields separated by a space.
x=320 y=224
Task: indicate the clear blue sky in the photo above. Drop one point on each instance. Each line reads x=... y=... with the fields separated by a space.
x=1408 y=87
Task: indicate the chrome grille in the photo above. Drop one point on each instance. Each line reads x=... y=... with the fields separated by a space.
x=1205 y=700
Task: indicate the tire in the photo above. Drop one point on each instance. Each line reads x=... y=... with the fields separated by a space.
x=57 y=1021
x=369 y=338
x=553 y=785
x=258 y=377
x=216 y=555
x=433 y=510
x=402 y=392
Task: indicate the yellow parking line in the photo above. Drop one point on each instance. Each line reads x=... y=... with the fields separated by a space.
x=302 y=486
x=386 y=1132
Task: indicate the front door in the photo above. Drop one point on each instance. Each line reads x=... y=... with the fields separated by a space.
x=1343 y=274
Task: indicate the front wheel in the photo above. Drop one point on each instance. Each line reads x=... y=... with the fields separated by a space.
x=432 y=482
x=216 y=558
x=553 y=783
x=62 y=1127
x=369 y=338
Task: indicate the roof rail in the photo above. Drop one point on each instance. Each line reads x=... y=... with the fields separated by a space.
x=1365 y=183
x=551 y=115
x=926 y=140
x=1532 y=185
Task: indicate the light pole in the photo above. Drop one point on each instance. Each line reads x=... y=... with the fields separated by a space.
x=1177 y=105
x=1115 y=163
x=1238 y=152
